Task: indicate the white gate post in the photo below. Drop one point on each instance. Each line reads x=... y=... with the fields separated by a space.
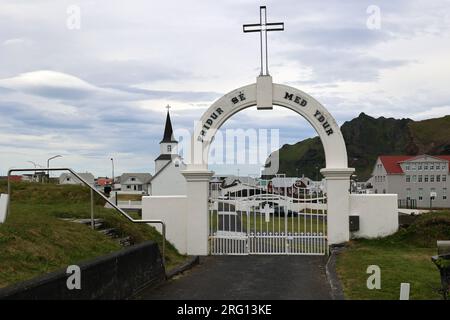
x=197 y=222
x=338 y=204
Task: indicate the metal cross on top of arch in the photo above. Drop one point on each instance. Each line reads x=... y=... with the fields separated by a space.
x=263 y=27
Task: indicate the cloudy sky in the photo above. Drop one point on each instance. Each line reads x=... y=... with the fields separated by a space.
x=99 y=91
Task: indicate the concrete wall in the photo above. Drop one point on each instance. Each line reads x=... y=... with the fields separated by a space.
x=173 y=211
x=378 y=214
x=3 y=207
x=119 y=275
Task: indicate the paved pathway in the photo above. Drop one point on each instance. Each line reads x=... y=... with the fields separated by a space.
x=249 y=277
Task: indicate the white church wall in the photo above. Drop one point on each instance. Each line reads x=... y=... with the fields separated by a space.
x=160 y=164
x=170 y=181
x=171 y=210
x=378 y=214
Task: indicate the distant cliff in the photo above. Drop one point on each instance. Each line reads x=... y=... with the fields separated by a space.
x=366 y=138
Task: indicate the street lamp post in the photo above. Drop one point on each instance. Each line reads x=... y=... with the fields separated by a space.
x=112 y=163
x=35 y=165
x=36 y=177
x=112 y=187
x=48 y=165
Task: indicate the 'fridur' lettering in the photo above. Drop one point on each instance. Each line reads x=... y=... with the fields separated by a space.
x=209 y=122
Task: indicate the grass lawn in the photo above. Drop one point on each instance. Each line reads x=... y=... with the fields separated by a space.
x=34 y=240
x=402 y=257
x=128 y=197
x=293 y=224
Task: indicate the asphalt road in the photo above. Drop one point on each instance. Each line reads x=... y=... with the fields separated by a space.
x=248 y=277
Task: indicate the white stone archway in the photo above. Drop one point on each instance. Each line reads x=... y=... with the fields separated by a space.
x=264 y=94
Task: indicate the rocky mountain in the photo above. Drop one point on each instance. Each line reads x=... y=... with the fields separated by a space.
x=366 y=138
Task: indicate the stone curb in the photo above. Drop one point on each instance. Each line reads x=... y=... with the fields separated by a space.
x=337 y=293
x=193 y=261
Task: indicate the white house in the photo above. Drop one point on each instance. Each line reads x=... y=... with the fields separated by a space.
x=168 y=179
x=139 y=182
x=68 y=178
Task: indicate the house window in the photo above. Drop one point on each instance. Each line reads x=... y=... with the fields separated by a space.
x=431 y=165
x=384 y=190
x=425 y=179
x=420 y=195
x=133 y=179
x=438 y=178
x=431 y=177
x=408 y=178
x=419 y=166
x=169 y=148
x=444 y=166
x=419 y=178
x=444 y=178
x=425 y=166
x=128 y=187
x=432 y=190
x=407 y=166
x=444 y=193
x=438 y=166
x=414 y=178
x=413 y=166
x=408 y=194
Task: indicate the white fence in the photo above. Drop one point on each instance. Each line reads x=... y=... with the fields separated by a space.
x=258 y=221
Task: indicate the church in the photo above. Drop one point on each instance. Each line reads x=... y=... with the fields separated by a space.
x=168 y=179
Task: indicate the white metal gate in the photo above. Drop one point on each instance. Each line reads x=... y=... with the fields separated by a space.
x=247 y=219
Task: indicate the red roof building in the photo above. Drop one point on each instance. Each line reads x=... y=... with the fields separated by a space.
x=104 y=182
x=421 y=181
x=15 y=178
x=392 y=163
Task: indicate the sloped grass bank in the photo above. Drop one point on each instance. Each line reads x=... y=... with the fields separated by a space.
x=34 y=239
x=402 y=257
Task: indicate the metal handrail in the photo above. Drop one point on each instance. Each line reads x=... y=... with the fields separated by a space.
x=100 y=194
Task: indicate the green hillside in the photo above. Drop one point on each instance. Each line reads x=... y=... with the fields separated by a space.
x=35 y=240
x=366 y=138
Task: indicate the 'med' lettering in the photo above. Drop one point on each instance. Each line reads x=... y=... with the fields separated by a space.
x=297 y=99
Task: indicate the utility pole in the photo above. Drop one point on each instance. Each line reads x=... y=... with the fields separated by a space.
x=48 y=165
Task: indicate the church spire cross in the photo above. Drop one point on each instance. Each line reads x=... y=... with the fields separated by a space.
x=263 y=27
x=168 y=107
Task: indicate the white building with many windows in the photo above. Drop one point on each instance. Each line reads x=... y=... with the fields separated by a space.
x=422 y=179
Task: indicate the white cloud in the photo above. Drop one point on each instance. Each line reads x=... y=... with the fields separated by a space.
x=101 y=90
